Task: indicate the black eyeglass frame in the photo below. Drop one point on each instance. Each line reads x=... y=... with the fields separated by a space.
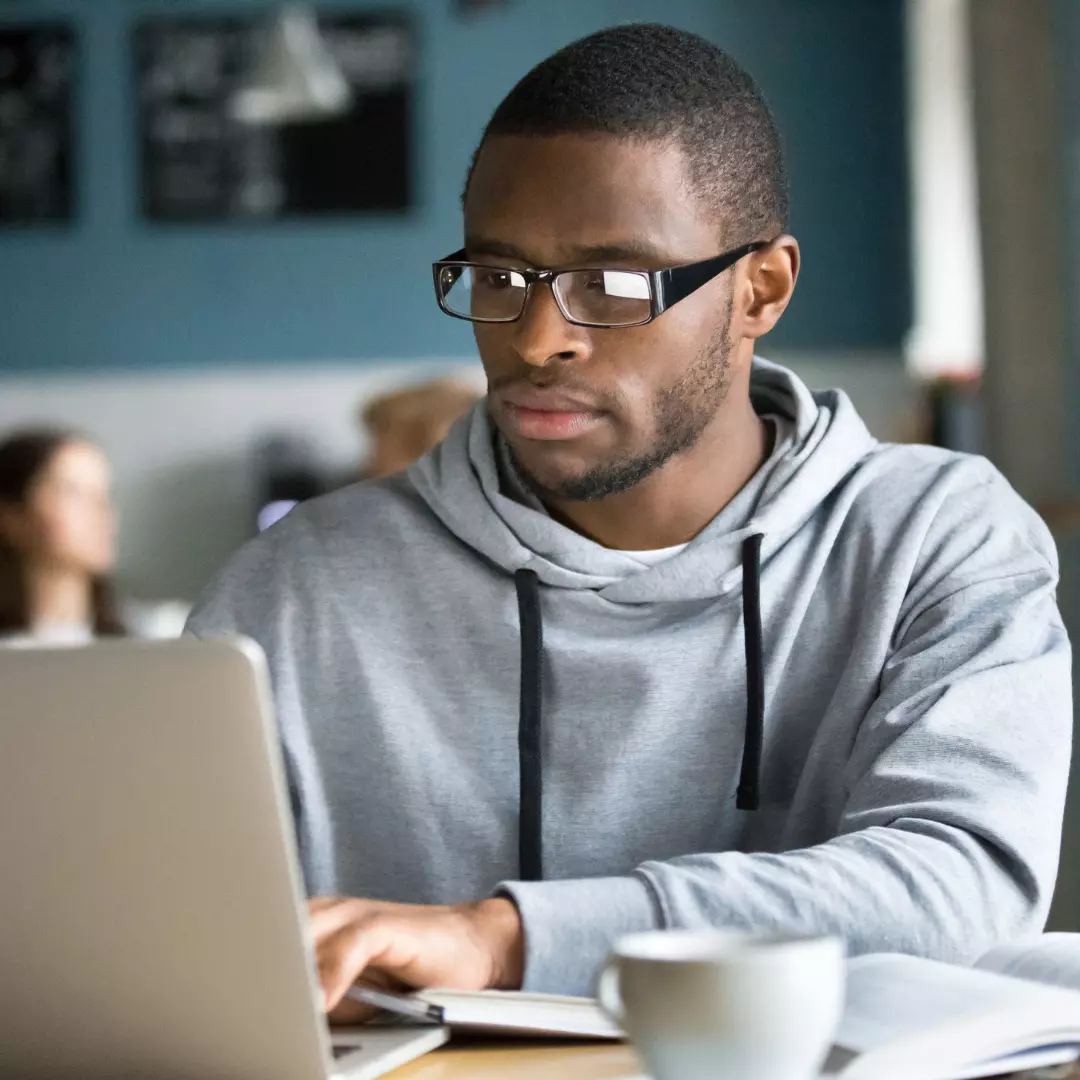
x=666 y=287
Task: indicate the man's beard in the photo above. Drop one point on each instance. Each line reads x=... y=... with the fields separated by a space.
x=683 y=411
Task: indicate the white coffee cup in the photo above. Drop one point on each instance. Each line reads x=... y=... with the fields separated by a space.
x=705 y=1004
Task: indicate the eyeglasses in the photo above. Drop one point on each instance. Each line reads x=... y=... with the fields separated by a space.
x=485 y=293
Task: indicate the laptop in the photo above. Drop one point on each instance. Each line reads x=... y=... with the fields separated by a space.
x=152 y=920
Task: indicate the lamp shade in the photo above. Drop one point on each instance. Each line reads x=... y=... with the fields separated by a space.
x=295 y=77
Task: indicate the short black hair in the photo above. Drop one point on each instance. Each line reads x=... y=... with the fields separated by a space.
x=646 y=80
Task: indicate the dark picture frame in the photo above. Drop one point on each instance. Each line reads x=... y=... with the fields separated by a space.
x=38 y=77
x=199 y=164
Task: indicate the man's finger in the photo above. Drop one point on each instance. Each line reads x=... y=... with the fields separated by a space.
x=327 y=919
x=343 y=956
x=348 y=1011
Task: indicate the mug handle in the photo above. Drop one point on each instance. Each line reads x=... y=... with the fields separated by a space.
x=607 y=992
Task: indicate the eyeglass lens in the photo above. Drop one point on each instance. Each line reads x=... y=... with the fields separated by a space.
x=608 y=297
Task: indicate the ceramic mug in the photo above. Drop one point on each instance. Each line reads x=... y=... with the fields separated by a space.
x=705 y=1004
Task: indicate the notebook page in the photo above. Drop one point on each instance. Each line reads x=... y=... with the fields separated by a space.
x=1051 y=958
x=895 y=997
x=911 y=1019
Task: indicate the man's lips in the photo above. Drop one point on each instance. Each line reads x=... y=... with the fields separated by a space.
x=546 y=399
x=536 y=413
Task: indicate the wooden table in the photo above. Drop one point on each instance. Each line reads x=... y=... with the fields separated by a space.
x=540 y=1061
x=524 y=1061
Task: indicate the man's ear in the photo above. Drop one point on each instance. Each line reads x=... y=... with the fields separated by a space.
x=765 y=288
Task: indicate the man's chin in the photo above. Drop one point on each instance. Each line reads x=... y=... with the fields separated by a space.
x=567 y=476
x=547 y=480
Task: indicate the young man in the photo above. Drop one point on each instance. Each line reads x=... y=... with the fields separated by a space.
x=656 y=637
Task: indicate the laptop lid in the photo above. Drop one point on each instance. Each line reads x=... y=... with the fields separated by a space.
x=152 y=920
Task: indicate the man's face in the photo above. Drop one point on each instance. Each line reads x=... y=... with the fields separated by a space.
x=590 y=412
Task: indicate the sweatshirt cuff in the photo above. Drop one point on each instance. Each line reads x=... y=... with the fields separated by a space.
x=570 y=927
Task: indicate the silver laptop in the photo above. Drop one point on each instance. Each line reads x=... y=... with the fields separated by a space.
x=152 y=922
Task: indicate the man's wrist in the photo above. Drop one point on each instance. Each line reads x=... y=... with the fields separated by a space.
x=498 y=924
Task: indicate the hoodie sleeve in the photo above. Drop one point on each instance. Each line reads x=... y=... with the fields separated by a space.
x=948 y=843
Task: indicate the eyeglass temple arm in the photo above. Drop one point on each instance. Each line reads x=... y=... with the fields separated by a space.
x=680 y=281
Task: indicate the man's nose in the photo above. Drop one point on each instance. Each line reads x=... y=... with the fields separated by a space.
x=542 y=335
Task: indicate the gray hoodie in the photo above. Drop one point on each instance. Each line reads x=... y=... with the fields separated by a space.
x=843 y=708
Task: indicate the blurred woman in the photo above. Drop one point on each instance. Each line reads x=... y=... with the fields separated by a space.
x=57 y=541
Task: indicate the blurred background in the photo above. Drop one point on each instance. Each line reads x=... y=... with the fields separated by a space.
x=217 y=220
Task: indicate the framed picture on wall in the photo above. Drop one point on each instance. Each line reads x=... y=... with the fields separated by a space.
x=200 y=160
x=37 y=77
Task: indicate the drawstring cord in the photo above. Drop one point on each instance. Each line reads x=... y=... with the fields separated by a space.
x=531 y=707
x=530 y=725
x=748 y=795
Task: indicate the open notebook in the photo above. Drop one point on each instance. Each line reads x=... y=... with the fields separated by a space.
x=1017 y=1009
x=904 y=1018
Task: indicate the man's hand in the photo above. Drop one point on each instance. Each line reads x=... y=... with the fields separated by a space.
x=467 y=947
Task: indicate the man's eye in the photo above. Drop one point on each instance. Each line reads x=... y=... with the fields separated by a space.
x=500 y=279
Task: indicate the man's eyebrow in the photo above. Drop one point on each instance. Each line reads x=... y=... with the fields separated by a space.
x=622 y=251
x=479 y=245
x=591 y=254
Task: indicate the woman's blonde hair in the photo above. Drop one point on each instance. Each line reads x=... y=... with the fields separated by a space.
x=405 y=424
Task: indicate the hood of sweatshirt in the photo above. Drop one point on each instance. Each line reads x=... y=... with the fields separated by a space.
x=820 y=439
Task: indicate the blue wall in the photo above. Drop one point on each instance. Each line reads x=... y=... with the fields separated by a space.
x=115 y=293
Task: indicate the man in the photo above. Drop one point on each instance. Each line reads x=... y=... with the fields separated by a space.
x=656 y=638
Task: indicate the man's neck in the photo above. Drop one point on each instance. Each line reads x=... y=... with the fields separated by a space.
x=676 y=502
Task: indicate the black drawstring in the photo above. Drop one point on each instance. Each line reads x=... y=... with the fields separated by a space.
x=530 y=726
x=747 y=797
x=530 y=717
